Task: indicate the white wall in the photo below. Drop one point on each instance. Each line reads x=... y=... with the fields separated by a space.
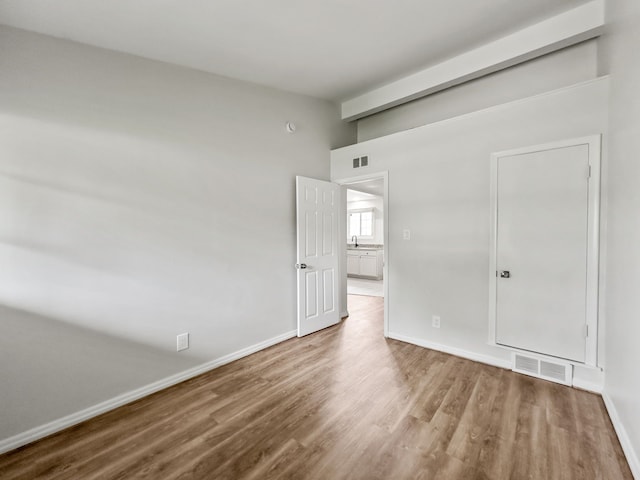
x=619 y=58
x=439 y=189
x=139 y=200
x=378 y=218
x=555 y=70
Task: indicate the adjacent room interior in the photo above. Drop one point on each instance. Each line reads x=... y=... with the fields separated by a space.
x=365 y=237
x=324 y=240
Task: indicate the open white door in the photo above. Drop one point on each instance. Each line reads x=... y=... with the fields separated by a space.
x=317 y=206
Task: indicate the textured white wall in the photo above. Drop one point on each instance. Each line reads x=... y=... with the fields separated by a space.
x=619 y=58
x=439 y=189
x=138 y=201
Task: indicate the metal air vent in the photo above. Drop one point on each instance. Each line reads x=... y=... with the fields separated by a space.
x=552 y=370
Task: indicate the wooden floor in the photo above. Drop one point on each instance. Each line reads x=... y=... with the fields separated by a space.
x=341 y=404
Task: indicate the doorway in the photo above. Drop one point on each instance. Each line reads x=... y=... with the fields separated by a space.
x=364 y=241
x=365 y=238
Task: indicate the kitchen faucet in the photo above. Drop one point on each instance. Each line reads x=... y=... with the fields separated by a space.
x=356 y=242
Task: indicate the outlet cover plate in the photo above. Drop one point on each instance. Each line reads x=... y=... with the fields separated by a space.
x=435 y=321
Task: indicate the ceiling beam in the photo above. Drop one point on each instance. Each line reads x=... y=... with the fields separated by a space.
x=569 y=28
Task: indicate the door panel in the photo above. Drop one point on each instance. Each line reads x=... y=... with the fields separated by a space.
x=310 y=231
x=311 y=294
x=328 y=276
x=317 y=252
x=327 y=233
x=541 y=241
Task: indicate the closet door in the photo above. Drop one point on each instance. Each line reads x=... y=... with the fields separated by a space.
x=542 y=247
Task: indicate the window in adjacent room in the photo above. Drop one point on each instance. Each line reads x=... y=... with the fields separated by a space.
x=361 y=223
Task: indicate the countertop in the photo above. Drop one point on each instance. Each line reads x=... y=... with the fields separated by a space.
x=364 y=246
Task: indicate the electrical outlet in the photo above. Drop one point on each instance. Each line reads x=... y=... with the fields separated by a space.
x=406 y=234
x=435 y=321
x=183 y=341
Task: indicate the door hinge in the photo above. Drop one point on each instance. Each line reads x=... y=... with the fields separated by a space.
x=589 y=171
x=586 y=331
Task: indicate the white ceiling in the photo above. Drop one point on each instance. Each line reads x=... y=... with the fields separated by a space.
x=354 y=196
x=332 y=49
x=365 y=190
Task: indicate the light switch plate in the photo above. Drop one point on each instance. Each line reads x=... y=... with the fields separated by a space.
x=183 y=341
x=406 y=234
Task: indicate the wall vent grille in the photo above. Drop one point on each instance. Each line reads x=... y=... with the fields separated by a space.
x=552 y=370
x=526 y=364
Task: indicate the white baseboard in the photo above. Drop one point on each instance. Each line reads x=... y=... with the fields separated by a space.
x=586 y=385
x=65 y=422
x=458 y=352
x=627 y=447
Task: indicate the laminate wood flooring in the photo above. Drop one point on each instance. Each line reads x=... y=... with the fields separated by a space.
x=344 y=403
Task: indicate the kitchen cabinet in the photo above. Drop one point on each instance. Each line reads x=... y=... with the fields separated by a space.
x=365 y=263
x=368 y=266
x=353 y=264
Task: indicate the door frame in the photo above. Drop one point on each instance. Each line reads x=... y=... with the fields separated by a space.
x=343 y=182
x=594 y=143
